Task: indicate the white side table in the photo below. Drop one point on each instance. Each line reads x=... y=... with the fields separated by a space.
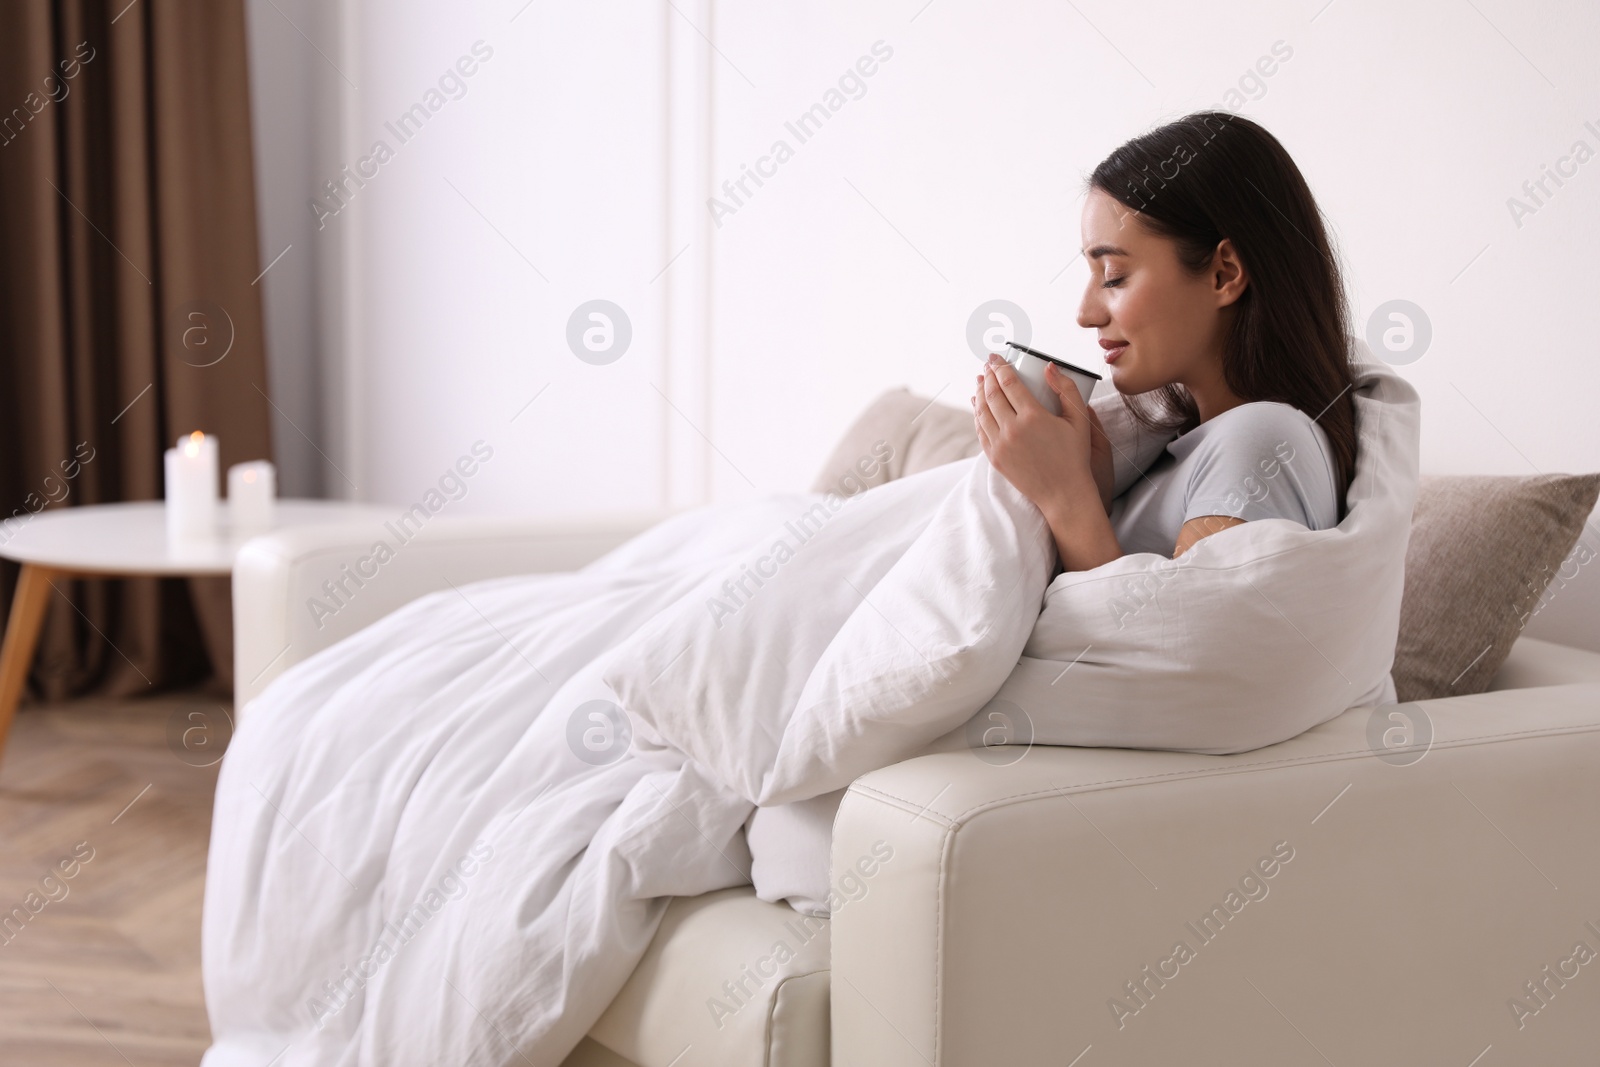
x=119 y=541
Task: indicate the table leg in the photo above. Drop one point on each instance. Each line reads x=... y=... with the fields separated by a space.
x=22 y=637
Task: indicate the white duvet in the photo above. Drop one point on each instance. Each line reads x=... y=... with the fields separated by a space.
x=436 y=842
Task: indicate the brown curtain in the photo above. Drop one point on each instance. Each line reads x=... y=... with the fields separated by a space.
x=127 y=310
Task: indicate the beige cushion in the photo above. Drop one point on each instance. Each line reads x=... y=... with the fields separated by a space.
x=915 y=432
x=716 y=980
x=1482 y=551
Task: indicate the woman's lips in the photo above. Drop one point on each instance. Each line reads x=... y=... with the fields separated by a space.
x=1113 y=349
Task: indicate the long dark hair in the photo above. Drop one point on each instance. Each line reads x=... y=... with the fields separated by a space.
x=1213 y=175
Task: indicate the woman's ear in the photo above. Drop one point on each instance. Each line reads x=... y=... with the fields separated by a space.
x=1229 y=278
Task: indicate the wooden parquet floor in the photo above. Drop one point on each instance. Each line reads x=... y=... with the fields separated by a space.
x=103 y=967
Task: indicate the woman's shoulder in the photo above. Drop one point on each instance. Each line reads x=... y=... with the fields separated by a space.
x=1260 y=426
x=1264 y=460
x=1257 y=433
x=1273 y=414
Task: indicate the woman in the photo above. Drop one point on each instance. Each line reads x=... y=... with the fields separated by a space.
x=1213 y=287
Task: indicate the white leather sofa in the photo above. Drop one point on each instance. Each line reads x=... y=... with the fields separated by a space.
x=1382 y=913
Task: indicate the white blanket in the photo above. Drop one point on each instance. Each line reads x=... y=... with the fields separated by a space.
x=433 y=843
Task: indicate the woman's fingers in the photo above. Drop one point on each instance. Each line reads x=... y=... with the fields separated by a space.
x=987 y=424
x=1072 y=406
x=1098 y=429
x=996 y=394
x=1009 y=385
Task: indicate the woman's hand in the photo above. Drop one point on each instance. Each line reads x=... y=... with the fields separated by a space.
x=1054 y=461
x=1100 y=464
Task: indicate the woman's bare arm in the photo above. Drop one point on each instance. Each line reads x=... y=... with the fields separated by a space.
x=1199 y=527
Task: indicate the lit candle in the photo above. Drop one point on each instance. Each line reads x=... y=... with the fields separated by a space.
x=191 y=491
x=251 y=487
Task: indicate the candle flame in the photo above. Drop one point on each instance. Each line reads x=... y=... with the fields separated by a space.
x=191 y=447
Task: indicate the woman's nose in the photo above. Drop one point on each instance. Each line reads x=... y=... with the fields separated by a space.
x=1091 y=312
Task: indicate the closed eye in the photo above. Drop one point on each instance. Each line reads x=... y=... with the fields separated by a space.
x=1111 y=282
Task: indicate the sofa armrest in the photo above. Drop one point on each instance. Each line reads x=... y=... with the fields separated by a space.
x=299 y=590
x=1379 y=907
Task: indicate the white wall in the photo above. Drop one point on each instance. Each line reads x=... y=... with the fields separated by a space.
x=295 y=100
x=1414 y=122
x=594 y=136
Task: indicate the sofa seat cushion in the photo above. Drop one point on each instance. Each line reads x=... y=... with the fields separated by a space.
x=1534 y=663
x=741 y=982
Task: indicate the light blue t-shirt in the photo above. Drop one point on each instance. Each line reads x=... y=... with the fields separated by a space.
x=1263 y=460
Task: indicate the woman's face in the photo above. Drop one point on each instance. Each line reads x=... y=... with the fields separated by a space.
x=1158 y=322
